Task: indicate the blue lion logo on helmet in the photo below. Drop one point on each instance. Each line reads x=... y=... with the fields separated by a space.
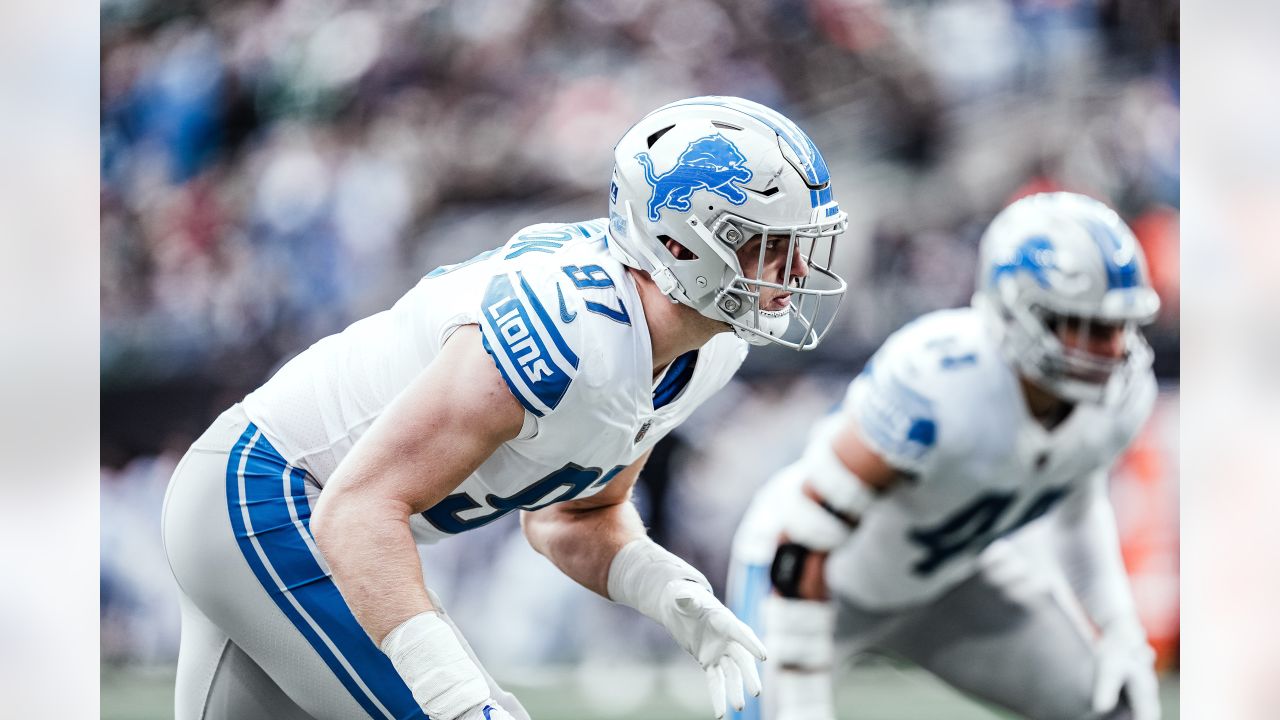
x=1033 y=256
x=710 y=163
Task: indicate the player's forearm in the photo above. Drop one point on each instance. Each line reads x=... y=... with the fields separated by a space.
x=583 y=543
x=604 y=548
x=373 y=559
x=1090 y=553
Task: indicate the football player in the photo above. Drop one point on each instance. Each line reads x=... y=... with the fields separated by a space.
x=536 y=377
x=900 y=528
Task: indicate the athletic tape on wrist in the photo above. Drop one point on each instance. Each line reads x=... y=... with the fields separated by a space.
x=806 y=694
x=808 y=523
x=800 y=633
x=429 y=658
x=840 y=487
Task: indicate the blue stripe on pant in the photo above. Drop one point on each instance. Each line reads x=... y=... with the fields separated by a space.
x=750 y=587
x=270 y=515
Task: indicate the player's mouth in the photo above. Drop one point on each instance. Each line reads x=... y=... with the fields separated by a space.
x=780 y=302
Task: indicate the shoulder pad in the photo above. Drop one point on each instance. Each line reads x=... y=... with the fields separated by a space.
x=1134 y=407
x=729 y=347
x=548 y=238
x=898 y=399
x=942 y=344
x=522 y=335
x=897 y=420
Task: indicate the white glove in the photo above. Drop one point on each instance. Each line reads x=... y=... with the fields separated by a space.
x=1126 y=661
x=672 y=592
x=490 y=710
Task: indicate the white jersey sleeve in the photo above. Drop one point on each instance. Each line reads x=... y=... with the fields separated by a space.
x=909 y=401
x=895 y=419
x=525 y=332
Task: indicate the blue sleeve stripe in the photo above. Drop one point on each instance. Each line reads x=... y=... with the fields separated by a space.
x=530 y=367
x=500 y=347
x=898 y=422
x=548 y=325
x=519 y=391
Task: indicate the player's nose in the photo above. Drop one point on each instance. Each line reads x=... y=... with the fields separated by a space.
x=799 y=268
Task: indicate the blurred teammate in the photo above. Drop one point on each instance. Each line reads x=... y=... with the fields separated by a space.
x=537 y=377
x=964 y=428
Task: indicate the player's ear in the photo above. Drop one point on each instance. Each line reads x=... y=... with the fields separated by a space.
x=679 y=251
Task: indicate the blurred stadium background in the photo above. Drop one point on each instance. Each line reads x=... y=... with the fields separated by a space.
x=272 y=171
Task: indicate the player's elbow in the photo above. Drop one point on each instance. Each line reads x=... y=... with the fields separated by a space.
x=336 y=515
x=548 y=527
x=535 y=527
x=326 y=522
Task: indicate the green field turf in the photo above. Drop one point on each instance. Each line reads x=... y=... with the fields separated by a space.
x=872 y=693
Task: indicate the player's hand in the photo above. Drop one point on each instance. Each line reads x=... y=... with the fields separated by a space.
x=677 y=596
x=1126 y=661
x=725 y=646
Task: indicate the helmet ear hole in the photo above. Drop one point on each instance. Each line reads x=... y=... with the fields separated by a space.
x=678 y=251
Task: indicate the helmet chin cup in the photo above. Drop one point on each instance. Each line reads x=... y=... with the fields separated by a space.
x=764 y=328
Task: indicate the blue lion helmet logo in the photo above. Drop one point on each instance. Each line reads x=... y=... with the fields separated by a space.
x=710 y=163
x=1034 y=256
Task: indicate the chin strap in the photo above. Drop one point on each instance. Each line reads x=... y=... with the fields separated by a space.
x=662 y=276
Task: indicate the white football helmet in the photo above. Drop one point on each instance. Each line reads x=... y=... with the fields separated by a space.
x=713 y=173
x=1060 y=258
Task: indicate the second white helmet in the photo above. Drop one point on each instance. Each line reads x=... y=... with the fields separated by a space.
x=1061 y=261
x=714 y=173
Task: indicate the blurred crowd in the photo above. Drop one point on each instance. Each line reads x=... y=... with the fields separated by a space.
x=272 y=171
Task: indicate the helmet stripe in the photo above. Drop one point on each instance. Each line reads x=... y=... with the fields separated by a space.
x=1119 y=257
x=814 y=166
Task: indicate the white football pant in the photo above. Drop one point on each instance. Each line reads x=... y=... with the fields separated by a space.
x=265 y=632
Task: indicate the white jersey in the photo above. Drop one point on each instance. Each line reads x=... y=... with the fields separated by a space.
x=939 y=402
x=562 y=321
